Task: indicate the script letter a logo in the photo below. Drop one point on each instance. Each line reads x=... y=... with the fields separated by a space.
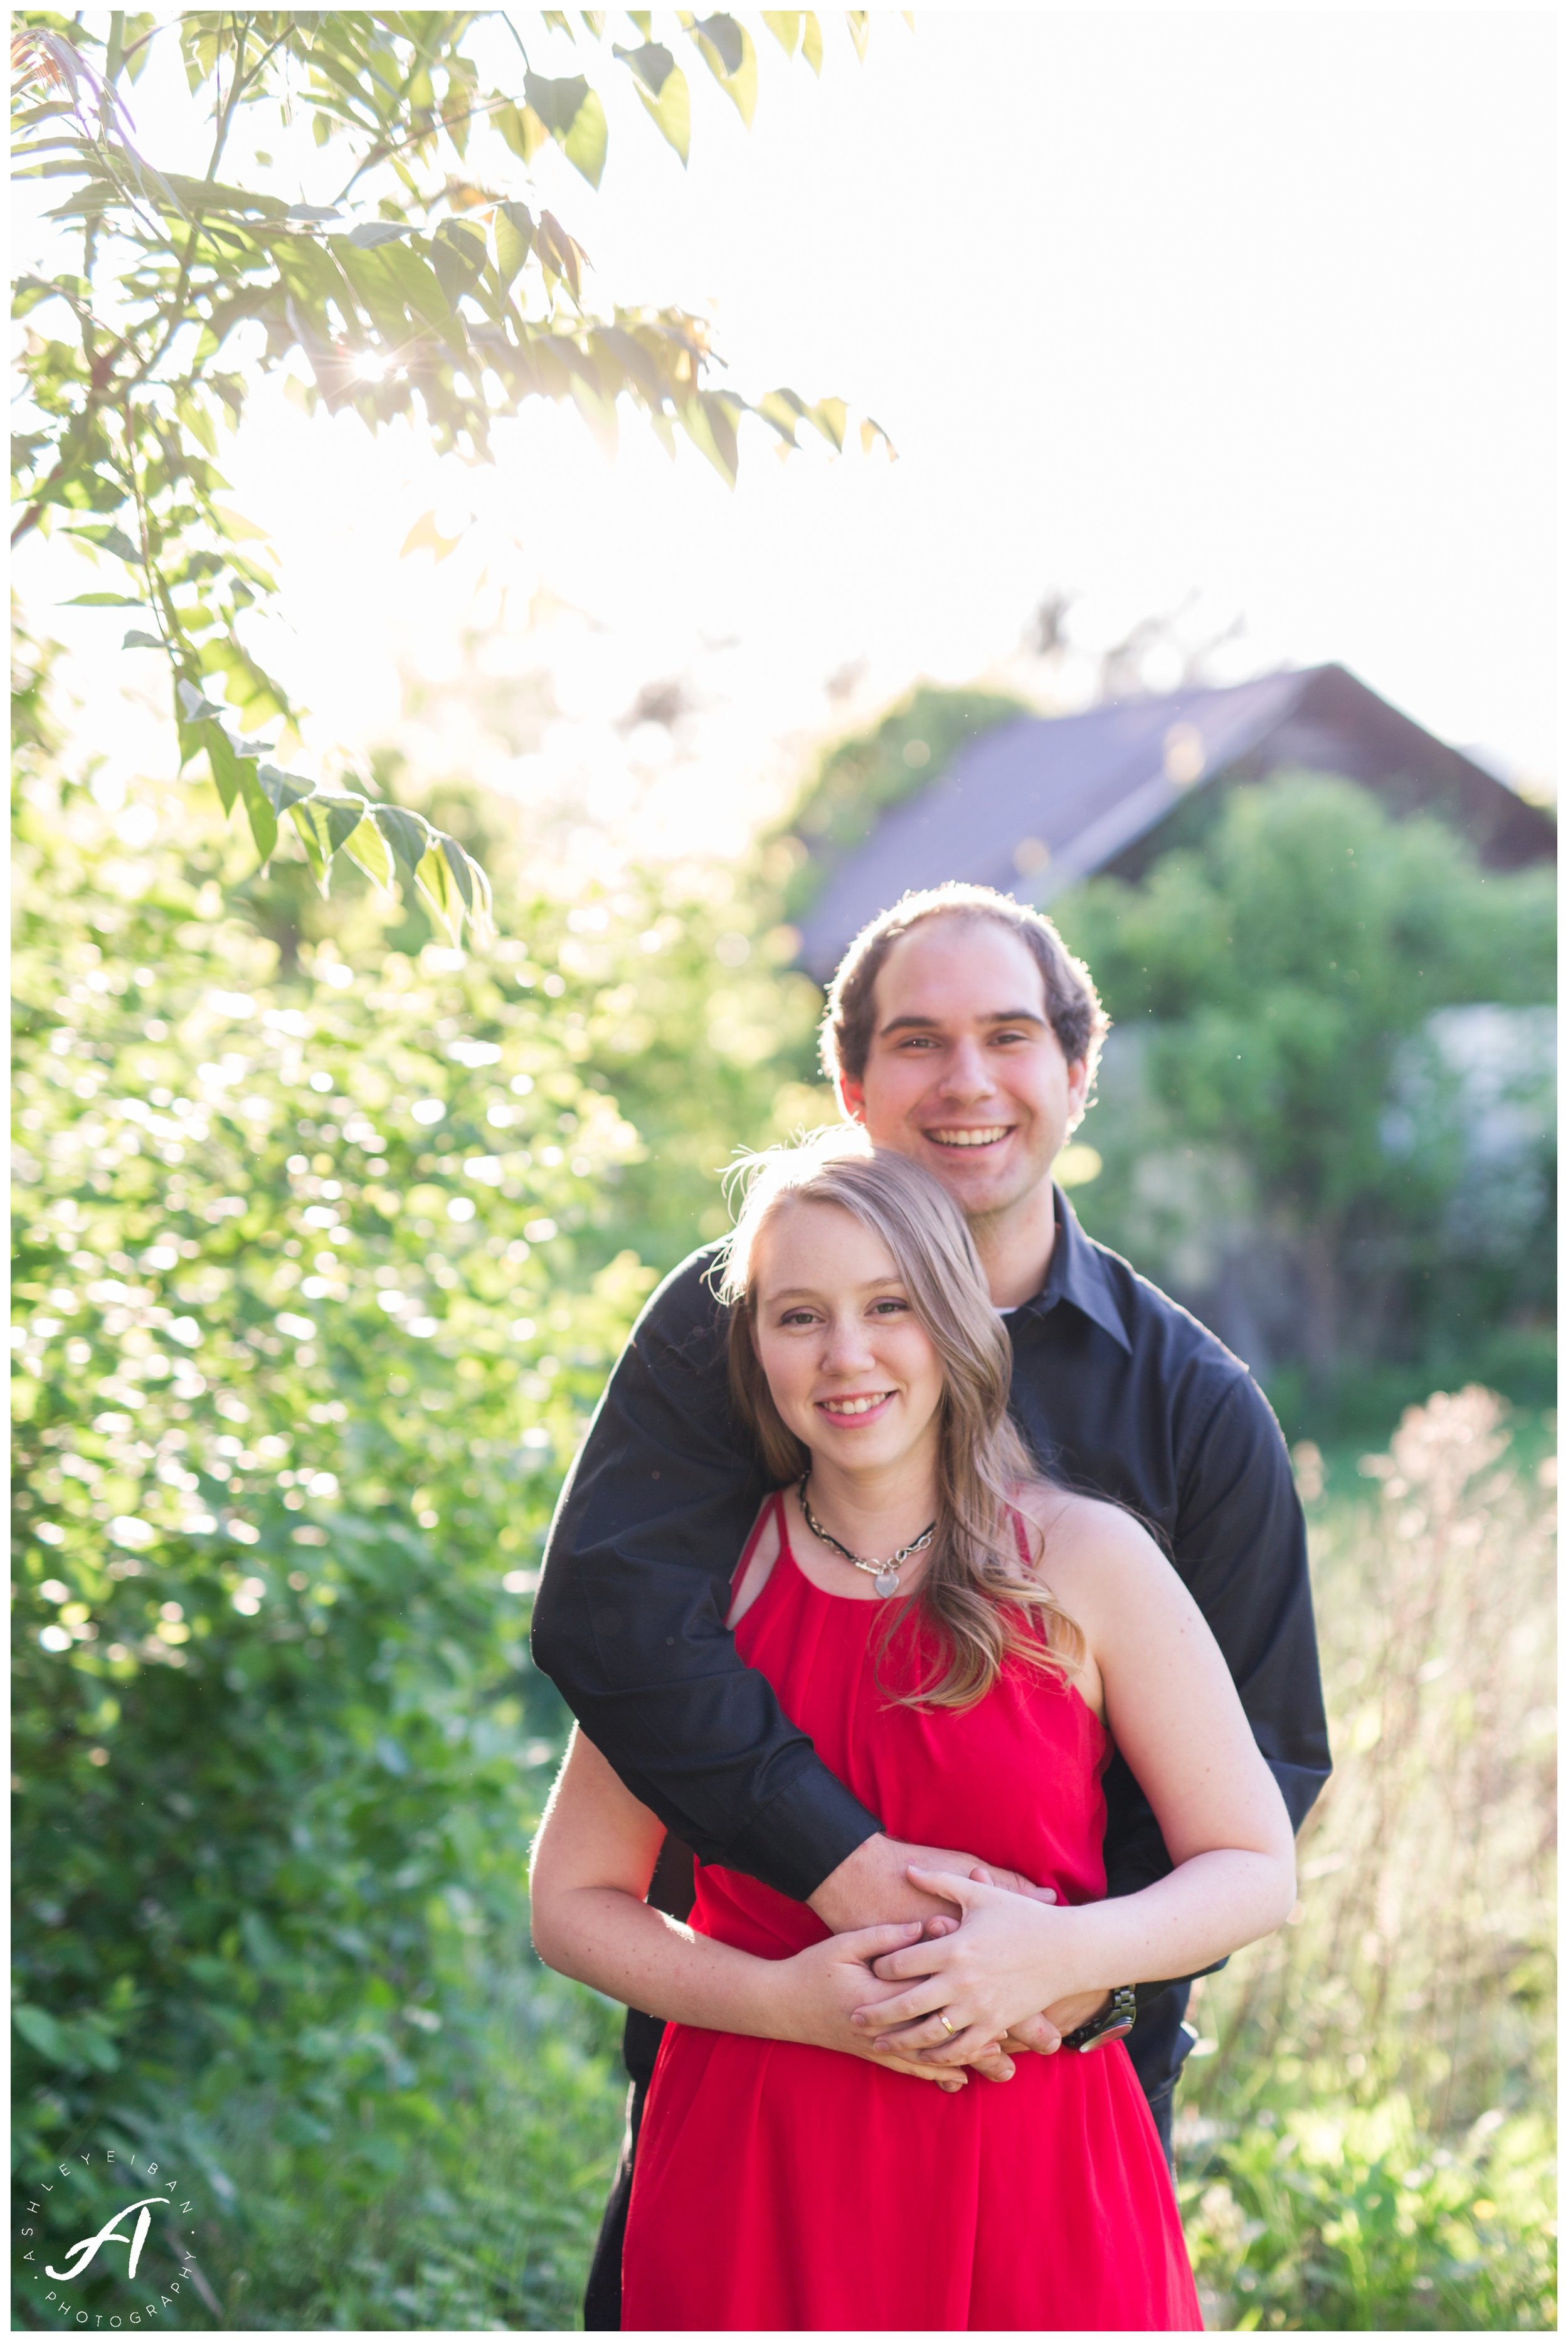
x=109 y=2234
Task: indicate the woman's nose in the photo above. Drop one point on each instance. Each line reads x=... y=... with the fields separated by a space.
x=847 y=1348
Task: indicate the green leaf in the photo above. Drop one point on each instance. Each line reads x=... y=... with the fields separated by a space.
x=556 y=102
x=325 y=823
x=810 y=41
x=587 y=142
x=106 y=601
x=522 y=129
x=830 y=417
x=784 y=23
x=370 y=232
x=110 y=540
x=367 y=846
x=859 y=23
x=560 y=254
x=41 y=2032
x=407 y=834
x=514 y=232
x=709 y=424
x=283 y=790
x=136 y=641
x=435 y=879
x=239 y=530
x=739 y=81
x=727 y=38
x=652 y=64
x=671 y=110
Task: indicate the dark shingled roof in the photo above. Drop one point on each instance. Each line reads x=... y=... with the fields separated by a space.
x=1045 y=800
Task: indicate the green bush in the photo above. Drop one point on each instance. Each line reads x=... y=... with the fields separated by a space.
x=1286 y=1137
x=1348 y=2219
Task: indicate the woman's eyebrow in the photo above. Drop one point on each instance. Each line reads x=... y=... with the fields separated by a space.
x=773 y=1295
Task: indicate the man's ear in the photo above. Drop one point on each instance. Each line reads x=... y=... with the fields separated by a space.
x=850 y=1098
x=1077 y=1092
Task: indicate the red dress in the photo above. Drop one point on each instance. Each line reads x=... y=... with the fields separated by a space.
x=783 y=2186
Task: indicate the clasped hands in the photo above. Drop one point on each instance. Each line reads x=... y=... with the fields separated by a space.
x=876 y=1991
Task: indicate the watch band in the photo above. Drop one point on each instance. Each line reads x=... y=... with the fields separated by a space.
x=1115 y=2020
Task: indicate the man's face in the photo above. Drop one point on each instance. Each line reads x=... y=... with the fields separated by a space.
x=965 y=1073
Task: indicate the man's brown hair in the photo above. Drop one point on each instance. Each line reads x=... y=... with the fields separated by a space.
x=1071 y=1003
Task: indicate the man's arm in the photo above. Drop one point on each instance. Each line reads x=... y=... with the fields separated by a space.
x=628 y=1621
x=1240 y=1545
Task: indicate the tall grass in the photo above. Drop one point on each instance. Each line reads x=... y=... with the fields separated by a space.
x=1370 y=2147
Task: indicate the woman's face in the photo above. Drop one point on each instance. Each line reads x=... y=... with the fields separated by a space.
x=853 y=1371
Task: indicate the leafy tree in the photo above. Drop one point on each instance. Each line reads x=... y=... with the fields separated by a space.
x=859 y=779
x=430 y=283
x=1279 y=979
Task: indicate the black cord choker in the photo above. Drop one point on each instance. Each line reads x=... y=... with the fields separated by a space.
x=883 y=1575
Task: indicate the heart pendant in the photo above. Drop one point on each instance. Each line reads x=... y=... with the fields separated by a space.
x=886 y=1581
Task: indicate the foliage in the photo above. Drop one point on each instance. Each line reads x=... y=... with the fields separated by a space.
x=1277 y=1083
x=1368 y=2146
x=308 y=1325
x=1350 y=2219
x=859 y=779
x=317 y=1279
x=425 y=280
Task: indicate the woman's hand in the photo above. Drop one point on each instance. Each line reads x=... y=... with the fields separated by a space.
x=1012 y=1956
x=821 y=1988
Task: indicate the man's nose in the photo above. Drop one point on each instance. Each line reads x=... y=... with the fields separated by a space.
x=966 y=1074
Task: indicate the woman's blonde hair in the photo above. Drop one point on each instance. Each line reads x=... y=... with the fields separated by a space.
x=979 y=1602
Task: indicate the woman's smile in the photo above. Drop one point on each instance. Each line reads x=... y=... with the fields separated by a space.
x=853 y=1409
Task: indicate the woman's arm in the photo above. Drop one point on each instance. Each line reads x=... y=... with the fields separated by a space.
x=592 y=1860
x=1173 y=1709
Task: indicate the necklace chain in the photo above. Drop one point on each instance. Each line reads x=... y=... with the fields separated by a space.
x=884 y=1573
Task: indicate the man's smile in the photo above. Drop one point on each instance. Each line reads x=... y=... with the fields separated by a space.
x=985 y=1134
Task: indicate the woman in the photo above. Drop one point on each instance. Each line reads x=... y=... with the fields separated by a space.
x=796 y=2167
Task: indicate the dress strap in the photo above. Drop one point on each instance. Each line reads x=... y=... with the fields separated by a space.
x=752 y=1542
x=1021 y=1536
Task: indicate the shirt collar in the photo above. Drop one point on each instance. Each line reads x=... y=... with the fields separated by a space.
x=1078 y=1273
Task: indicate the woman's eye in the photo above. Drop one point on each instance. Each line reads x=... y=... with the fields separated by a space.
x=889 y=1308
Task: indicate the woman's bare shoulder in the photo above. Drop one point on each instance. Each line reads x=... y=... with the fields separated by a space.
x=1080 y=1533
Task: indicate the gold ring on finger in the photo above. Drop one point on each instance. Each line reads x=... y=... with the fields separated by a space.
x=950 y=2030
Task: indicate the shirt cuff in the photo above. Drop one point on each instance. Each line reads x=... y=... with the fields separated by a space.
x=802 y=1835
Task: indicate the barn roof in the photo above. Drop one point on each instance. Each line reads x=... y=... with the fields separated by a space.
x=1043 y=801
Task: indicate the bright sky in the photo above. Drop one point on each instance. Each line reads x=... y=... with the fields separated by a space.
x=1251 y=305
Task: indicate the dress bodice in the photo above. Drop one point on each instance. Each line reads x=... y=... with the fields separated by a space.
x=1014 y=1780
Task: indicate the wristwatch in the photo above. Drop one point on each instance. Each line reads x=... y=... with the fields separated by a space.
x=1115 y=2020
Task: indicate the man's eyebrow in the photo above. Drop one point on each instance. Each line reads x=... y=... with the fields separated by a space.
x=995 y=1016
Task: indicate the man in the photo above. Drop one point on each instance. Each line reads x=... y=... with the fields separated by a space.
x=961 y=1032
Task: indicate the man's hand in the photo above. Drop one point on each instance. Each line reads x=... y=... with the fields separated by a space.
x=872 y=1885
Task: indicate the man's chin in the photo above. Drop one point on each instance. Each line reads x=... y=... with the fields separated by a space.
x=981 y=1190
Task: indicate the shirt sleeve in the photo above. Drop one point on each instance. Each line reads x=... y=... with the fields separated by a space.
x=1240 y=1545
x=628 y=1621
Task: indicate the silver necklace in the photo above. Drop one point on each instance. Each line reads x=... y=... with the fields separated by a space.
x=883 y=1575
